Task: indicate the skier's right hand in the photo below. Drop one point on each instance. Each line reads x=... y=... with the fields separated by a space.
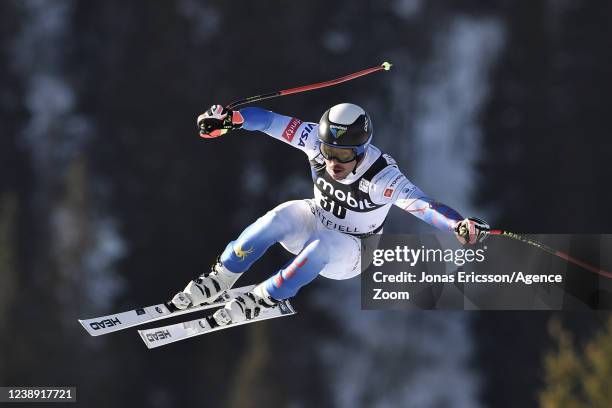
x=217 y=121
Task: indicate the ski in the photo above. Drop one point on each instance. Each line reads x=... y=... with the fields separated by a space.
x=119 y=321
x=160 y=336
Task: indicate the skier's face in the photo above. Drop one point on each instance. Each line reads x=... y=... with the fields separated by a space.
x=337 y=170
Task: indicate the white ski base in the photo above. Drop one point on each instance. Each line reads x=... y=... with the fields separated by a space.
x=160 y=336
x=119 y=321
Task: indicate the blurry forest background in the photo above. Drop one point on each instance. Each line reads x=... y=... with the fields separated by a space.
x=109 y=200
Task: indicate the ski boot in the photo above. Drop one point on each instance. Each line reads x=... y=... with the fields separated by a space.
x=207 y=287
x=245 y=307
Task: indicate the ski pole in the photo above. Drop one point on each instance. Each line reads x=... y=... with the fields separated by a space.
x=385 y=66
x=552 y=251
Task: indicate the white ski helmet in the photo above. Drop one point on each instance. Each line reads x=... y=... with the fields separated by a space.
x=345 y=126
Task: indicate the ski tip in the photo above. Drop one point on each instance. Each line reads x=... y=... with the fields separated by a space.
x=83 y=323
x=143 y=336
x=386 y=65
x=94 y=333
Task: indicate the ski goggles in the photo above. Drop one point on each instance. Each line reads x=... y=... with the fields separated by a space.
x=341 y=154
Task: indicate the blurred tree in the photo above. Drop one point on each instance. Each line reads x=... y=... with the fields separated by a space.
x=598 y=359
x=8 y=270
x=545 y=149
x=251 y=386
x=578 y=380
x=564 y=369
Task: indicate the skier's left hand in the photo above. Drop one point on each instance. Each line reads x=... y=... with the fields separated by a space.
x=471 y=230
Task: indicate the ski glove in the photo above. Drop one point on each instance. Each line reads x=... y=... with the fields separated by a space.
x=217 y=121
x=472 y=230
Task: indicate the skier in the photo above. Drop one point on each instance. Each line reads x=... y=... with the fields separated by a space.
x=355 y=185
